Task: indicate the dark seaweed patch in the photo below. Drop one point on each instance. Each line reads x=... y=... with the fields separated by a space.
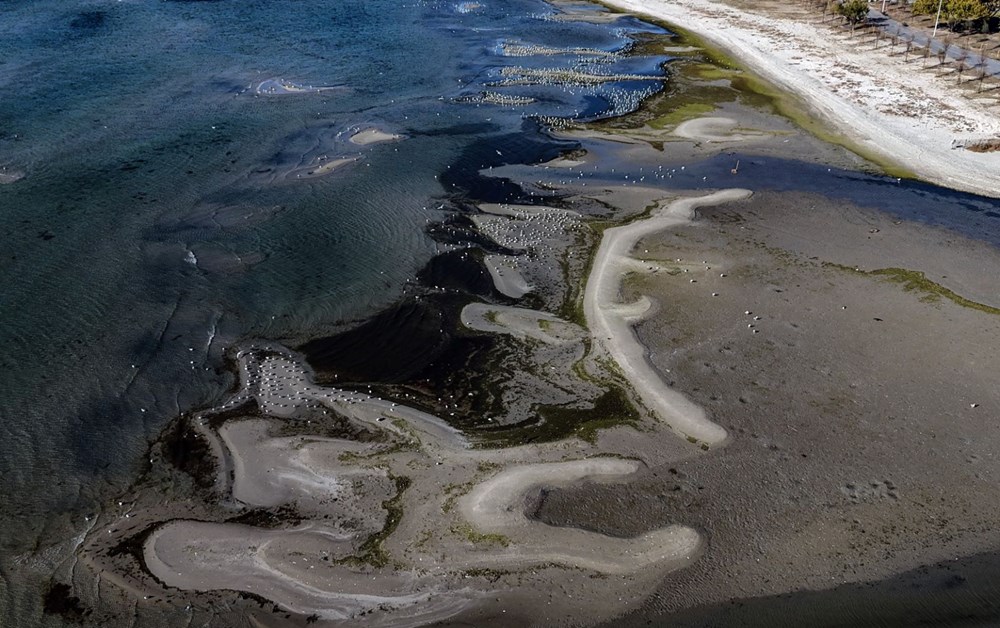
x=460 y=270
x=458 y=229
x=557 y=422
x=465 y=177
x=89 y=20
x=413 y=340
x=132 y=546
x=188 y=452
x=318 y=420
x=60 y=601
x=268 y=518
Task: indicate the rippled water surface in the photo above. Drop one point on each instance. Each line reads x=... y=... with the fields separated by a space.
x=170 y=203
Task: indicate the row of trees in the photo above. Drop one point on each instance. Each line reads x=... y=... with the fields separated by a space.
x=969 y=14
x=963 y=60
x=855 y=12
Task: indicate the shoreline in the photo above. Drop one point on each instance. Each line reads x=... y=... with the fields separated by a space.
x=896 y=111
x=464 y=527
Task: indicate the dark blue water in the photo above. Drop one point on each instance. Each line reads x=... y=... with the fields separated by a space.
x=163 y=215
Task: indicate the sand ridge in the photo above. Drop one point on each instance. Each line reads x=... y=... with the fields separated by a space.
x=611 y=321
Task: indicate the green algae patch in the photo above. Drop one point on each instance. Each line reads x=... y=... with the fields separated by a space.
x=474 y=536
x=713 y=72
x=759 y=92
x=611 y=409
x=553 y=423
x=372 y=552
x=688 y=111
x=916 y=281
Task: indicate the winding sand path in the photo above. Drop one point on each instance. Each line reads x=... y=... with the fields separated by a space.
x=488 y=507
x=610 y=321
x=340 y=491
x=287 y=565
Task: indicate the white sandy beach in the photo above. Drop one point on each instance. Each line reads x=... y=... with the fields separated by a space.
x=889 y=107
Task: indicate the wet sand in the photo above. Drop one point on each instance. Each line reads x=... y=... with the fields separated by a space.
x=861 y=413
x=610 y=319
x=906 y=116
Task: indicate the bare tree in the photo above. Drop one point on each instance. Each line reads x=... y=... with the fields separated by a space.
x=908 y=46
x=927 y=51
x=942 y=53
x=983 y=73
x=961 y=63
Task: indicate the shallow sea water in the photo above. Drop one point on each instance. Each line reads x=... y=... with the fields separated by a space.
x=162 y=217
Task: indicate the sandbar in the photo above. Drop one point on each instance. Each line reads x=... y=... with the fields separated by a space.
x=611 y=324
x=374 y=136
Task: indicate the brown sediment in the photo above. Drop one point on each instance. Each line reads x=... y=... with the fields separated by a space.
x=861 y=412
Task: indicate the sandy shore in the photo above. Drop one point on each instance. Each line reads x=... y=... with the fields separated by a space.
x=889 y=107
x=861 y=413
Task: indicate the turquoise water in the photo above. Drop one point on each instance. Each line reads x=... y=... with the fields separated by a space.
x=162 y=216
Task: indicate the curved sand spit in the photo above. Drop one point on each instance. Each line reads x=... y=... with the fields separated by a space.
x=714 y=129
x=369 y=136
x=278 y=86
x=10 y=176
x=610 y=320
x=488 y=507
x=520 y=323
x=506 y=276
